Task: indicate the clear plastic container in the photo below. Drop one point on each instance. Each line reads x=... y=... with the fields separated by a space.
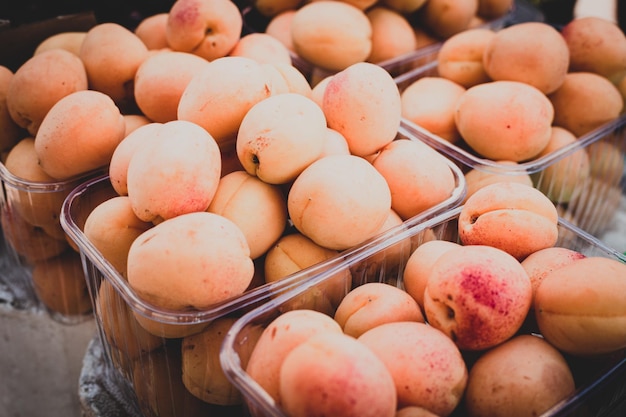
x=600 y=380
x=592 y=203
x=43 y=261
x=145 y=365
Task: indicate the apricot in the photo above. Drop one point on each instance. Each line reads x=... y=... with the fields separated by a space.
x=239 y=81
x=121 y=329
x=414 y=411
x=192 y=260
x=540 y=263
x=392 y=34
x=492 y=9
x=505 y=120
x=362 y=102
x=133 y=121
x=478 y=295
x=161 y=80
x=339 y=201
x=112 y=54
x=335 y=374
x=261 y=47
x=28 y=242
x=527 y=215
x=178 y=174
x=295 y=252
x=427 y=367
x=56 y=231
x=118 y=166
x=202 y=373
x=70 y=41
x=271 y=8
x=476 y=178
x=582 y=316
x=445 y=18
x=362 y=4
x=35 y=207
x=334 y=144
x=79 y=134
x=540 y=50
x=11 y=132
x=151 y=30
x=419 y=265
x=208 y=28
x=53 y=75
x=460 y=58
x=276 y=80
x=404 y=6
x=373 y=304
x=111 y=227
x=318 y=89
x=418 y=177
x=606 y=160
x=280 y=337
x=258 y=208
x=430 y=102
x=331 y=35
x=278 y=149
x=596 y=45
x=523 y=376
x=424 y=37
x=560 y=178
x=60 y=284
x=160 y=390
x=295 y=79
x=279 y=27
x=585 y=101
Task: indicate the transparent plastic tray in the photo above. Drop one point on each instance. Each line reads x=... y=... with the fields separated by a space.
x=593 y=203
x=601 y=381
x=43 y=262
x=131 y=354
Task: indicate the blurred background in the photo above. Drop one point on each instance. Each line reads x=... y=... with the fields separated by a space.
x=130 y=12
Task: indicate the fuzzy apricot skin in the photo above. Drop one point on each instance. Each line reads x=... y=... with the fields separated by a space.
x=582 y=316
x=339 y=201
x=523 y=376
x=426 y=365
x=79 y=134
x=363 y=103
x=538 y=45
x=478 y=295
x=514 y=217
x=505 y=120
x=52 y=74
x=337 y=375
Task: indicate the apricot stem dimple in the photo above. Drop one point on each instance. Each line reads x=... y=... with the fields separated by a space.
x=450 y=312
x=474 y=218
